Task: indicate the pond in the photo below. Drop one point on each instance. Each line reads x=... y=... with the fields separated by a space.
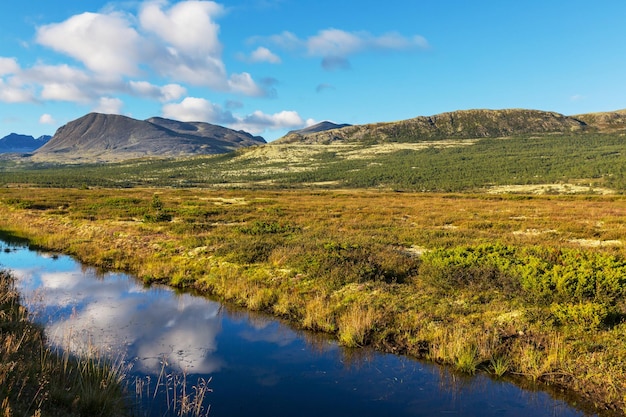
x=253 y=364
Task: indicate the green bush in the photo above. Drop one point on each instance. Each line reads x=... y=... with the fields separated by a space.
x=545 y=275
x=586 y=315
x=485 y=266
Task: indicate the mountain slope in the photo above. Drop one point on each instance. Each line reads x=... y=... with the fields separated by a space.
x=15 y=143
x=606 y=121
x=296 y=135
x=102 y=137
x=465 y=124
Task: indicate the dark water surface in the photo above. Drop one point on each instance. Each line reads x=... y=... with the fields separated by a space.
x=257 y=366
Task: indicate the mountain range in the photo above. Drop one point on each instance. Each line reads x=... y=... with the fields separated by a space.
x=99 y=137
x=463 y=124
x=16 y=143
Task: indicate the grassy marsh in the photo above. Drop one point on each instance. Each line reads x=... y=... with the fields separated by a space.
x=504 y=284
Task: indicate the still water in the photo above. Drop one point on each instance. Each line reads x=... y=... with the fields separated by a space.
x=254 y=365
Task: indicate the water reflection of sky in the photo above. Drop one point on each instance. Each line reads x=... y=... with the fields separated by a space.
x=119 y=315
x=258 y=365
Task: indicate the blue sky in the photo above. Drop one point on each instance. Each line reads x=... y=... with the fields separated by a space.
x=269 y=66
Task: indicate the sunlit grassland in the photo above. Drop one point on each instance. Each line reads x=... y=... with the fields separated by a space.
x=531 y=286
x=38 y=381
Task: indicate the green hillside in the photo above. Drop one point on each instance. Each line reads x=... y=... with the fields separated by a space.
x=595 y=159
x=468 y=151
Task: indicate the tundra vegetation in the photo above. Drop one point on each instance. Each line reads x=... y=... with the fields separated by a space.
x=528 y=286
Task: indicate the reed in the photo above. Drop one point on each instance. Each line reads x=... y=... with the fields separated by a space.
x=356 y=325
x=181 y=398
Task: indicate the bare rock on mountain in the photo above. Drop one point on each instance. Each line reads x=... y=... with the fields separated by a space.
x=296 y=136
x=104 y=138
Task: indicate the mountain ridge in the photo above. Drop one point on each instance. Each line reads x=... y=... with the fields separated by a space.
x=18 y=143
x=460 y=124
x=110 y=137
x=98 y=137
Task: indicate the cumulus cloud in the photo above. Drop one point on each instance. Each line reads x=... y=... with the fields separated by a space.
x=334 y=46
x=11 y=89
x=105 y=44
x=244 y=84
x=8 y=66
x=193 y=109
x=169 y=92
x=109 y=105
x=116 y=53
x=199 y=109
x=262 y=54
x=64 y=91
x=10 y=93
x=58 y=83
x=189 y=49
x=47 y=119
x=188 y=26
x=258 y=122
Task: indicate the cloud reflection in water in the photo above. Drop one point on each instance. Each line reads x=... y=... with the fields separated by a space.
x=113 y=311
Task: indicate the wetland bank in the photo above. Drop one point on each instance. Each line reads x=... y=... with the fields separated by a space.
x=526 y=286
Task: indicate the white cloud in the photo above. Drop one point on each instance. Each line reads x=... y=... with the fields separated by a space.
x=10 y=93
x=104 y=43
x=61 y=83
x=202 y=110
x=172 y=92
x=8 y=66
x=179 y=43
x=244 y=84
x=64 y=92
x=336 y=45
x=334 y=42
x=47 y=119
x=169 y=92
x=262 y=54
x=188 y=26
x=109 y=105
x=285 y=40
x=193 y=109
x=188 y=46
x=258 y=122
